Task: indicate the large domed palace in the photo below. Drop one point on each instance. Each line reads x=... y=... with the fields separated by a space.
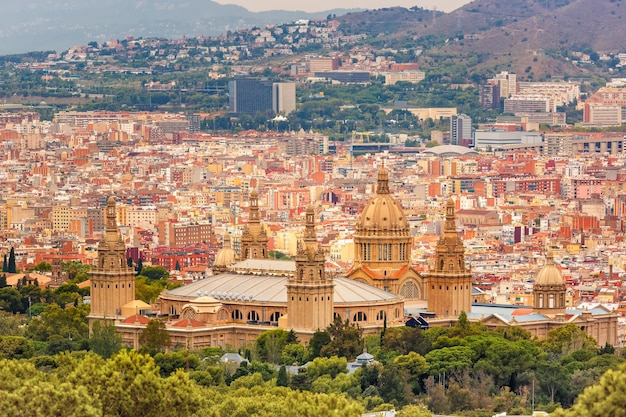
x=250 y=293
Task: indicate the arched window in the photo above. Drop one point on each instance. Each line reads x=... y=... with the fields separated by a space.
x=409 y=290
x=360 y=316
x=222 y=315
x=381 y=315
x=275 y=316
x=237 y=315
x=253 y=316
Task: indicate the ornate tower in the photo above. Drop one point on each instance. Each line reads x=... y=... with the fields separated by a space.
x=59 y=277
x=382 y=245
x=310 y=293
x=449 y=281
x=549 y=290
x=254 y=238
x=112 y=280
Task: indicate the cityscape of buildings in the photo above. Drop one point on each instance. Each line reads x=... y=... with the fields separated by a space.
x=181 y=197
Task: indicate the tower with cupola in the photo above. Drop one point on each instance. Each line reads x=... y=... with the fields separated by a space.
x=310 y=291
x=112 y=280
x=254 y=237
x=449 y=279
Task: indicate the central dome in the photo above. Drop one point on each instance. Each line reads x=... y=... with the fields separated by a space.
x=382 y=212
x=549 y=274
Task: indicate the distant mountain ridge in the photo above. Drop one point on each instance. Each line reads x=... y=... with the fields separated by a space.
x=36 y=25
x=525 y=36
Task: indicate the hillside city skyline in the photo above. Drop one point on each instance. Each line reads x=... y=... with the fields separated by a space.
x=307 y=6
x=394 y=209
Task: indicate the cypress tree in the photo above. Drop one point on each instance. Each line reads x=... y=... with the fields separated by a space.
x=5 y=264
x=281 y=380
x=11 y=268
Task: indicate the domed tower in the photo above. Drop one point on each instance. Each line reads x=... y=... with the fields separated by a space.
x=254 y=237
x=549 y=290
x=382 y=245
x=112 y=280
x=224 y=257
x=449 y=280
x=310 y=292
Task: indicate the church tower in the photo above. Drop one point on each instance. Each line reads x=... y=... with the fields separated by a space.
x=310 y=292
x=112 y=280
x=549 y=290
x=382 y=246
x=449 y=280
x=254 y=237
x=59 y=277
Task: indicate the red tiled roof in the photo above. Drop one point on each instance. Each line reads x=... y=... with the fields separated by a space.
x=188 y=323
x=136 y=318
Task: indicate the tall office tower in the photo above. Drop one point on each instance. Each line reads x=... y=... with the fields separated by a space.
x=283 y=98
x=461 y=130
x=250 y=96
x=490 y=96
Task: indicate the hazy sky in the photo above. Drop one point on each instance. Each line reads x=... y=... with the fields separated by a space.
x=319 y=5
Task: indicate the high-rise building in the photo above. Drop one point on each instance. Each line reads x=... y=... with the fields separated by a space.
x=252 y=96
x=490 y=95
x=461 y=130
x=507 y=83
x=283 y=98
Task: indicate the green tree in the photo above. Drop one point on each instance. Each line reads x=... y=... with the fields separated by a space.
x=332 y=366
x=566 y=339
x=105 y=340
x=269 y=345
x=416 y=367
x=170 y=362
x=10 y=325
x=210 y=376
x=60 y=323
x=155 y=273
x=15 y=347
x=345 y=341
x=294 y=354
x=319 y=339
x=606 y=398
x=154 y=337
x=448 y=360
x=146 y=290
x=11 y=267
x=11 y=300
x=42 y=267
x=419 y=410
x=281 y=379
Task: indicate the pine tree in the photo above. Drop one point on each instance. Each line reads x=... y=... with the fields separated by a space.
x=11 y=268
x=281 y=379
